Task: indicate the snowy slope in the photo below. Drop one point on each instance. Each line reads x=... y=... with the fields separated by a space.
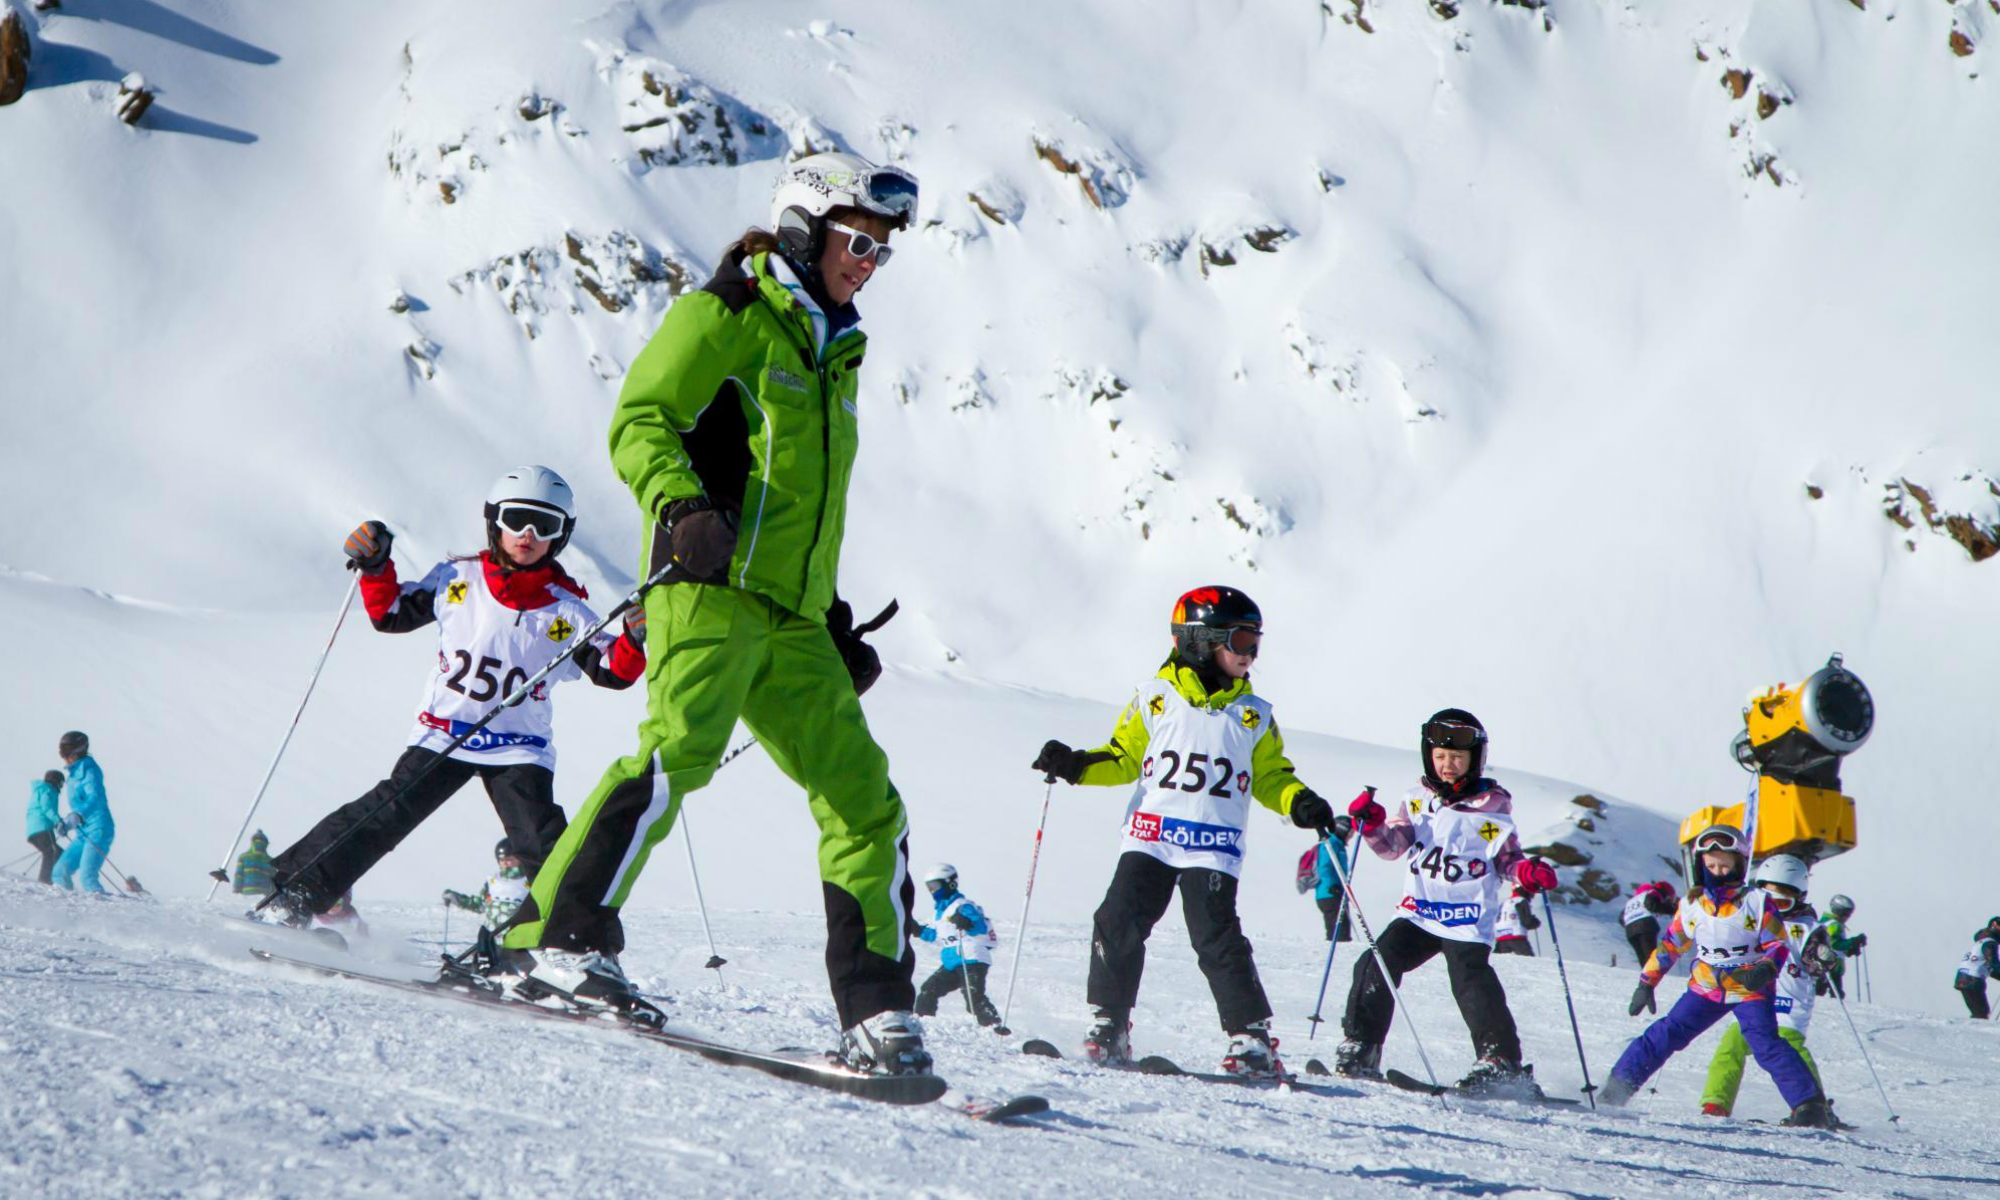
x=1509 y=393
x=151 y=1057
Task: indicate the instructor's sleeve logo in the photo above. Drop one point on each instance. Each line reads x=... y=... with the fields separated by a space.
x=559 y=630
x=1250 y=718
x=1489 y=831
x=454 y=592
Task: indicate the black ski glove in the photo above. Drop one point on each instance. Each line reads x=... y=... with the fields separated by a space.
x=1757 y=976
x=701 y=538
x=1642 y=997
x=864 y=666
x=1309 y=811
x=1860 y=940
x=962 y=921
x=1062 y=762
x=367 y=548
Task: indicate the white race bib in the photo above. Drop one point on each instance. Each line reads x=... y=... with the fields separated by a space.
x=1192 y=801
x=1452 y=889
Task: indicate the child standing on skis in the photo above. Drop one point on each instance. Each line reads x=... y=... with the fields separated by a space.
x=1456 y=830
x=502 y=616
x=501 y=894
x=1740 y=949
x=1651 y=903
x=966 y=940
x=1782 y=879
x=254 y=869
x=1845 y=945
x=1517 y=917
x=44 y=819
x=89 y=823
x=1200 y=747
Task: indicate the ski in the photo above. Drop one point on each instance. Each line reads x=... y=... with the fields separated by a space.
x=886 y=1089
x=1411 y=1083
x=997 y=1110
x=1155 y=1064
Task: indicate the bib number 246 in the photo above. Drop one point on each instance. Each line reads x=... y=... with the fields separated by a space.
x=1450 y=867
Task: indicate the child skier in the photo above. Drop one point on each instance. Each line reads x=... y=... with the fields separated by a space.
x=967 y=941
x=253 y=868
x=89 y=822
x=1782 y=878
x=502 y=616
x=1651 y=903
x=1845 y=945
x=1199 y=746
x=1979 y=964
x=43 y=820
x=501 y=894
x=1456 y=828
x=343 y=917
x=1517 y=917
x=1326 y=889
x=1740 y=949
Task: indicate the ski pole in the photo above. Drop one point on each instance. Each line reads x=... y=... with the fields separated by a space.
x=1402 y=1010
x=221 y=873
x=520 y=693
x=1332 y=944
x=1021 y=928
x=445 y=948
x=1861 y=1046
x=1549 y=912
x=715 y=960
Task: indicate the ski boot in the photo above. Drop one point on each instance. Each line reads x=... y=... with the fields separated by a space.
x=1253 y=1053
x=1109 y=1042
x=1494 y=1075
x=290 y=907
x=890 y=1043
x=1358 y=1060
x=1616 y=1091
x=1813 y=1114
x=587 y=979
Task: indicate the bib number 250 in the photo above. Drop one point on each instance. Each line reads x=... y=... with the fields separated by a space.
x=485 y=684
x=1194 y=771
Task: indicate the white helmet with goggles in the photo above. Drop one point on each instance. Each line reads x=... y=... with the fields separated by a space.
x=531 y=498
x=817 y=184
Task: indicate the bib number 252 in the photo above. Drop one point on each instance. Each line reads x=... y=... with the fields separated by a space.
x=1194 y=772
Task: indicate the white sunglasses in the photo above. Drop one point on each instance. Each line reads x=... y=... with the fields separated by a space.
x=862 y=245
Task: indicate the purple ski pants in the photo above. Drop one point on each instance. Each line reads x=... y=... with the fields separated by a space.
x=1691 y=1016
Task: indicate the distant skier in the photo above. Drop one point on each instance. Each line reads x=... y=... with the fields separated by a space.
x=1838 y=911
x=44 y=818
x=253 y=868
x=1517 y=918
x=343 y=917
x=1456 y=831
x=89 y=822
x=1200 y=746
x=501 y=894
x=966 y=940
x=1318 y=874
x=1651 y=904
x=1980 y=963
x=1740 y=950
x=502 y=615
x=1782 y=878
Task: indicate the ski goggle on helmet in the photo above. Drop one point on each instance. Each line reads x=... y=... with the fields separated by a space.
x=1719 y=837
x=521 y=518
x=1784 y=877
x=1212 y=616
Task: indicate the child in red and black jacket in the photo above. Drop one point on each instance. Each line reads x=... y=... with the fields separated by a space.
x=502 y=616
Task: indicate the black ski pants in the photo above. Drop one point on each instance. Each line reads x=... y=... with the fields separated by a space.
x=356 y=836
x=1141 y=888
x=45 y=841
x=946 y=980
x=1974 y=991
x=1513 y=945
x=1644 y=937
x=1333 y=909
x=1481 y=1000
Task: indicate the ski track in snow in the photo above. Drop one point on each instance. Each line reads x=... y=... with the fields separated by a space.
x=147 y=1054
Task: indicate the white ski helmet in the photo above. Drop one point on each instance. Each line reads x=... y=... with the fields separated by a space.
x=943 y=873
x=1785 y=870
x=533 y=487
x=819 y=183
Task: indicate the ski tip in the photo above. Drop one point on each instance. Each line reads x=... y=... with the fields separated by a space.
x=1154 y=1064
x=1040 y=1048
x=1002 y=1031
x=1316 y=1067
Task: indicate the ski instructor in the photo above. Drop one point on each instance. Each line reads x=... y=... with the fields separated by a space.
x=736 y=431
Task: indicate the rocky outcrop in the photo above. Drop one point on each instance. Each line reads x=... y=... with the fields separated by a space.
x=134 y=98
x=15 y=51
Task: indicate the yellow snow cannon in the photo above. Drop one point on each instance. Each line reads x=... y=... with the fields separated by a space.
x=1793 y=738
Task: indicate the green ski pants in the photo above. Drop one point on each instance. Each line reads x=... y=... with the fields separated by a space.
x=715 y=654
x=1725 y=1070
